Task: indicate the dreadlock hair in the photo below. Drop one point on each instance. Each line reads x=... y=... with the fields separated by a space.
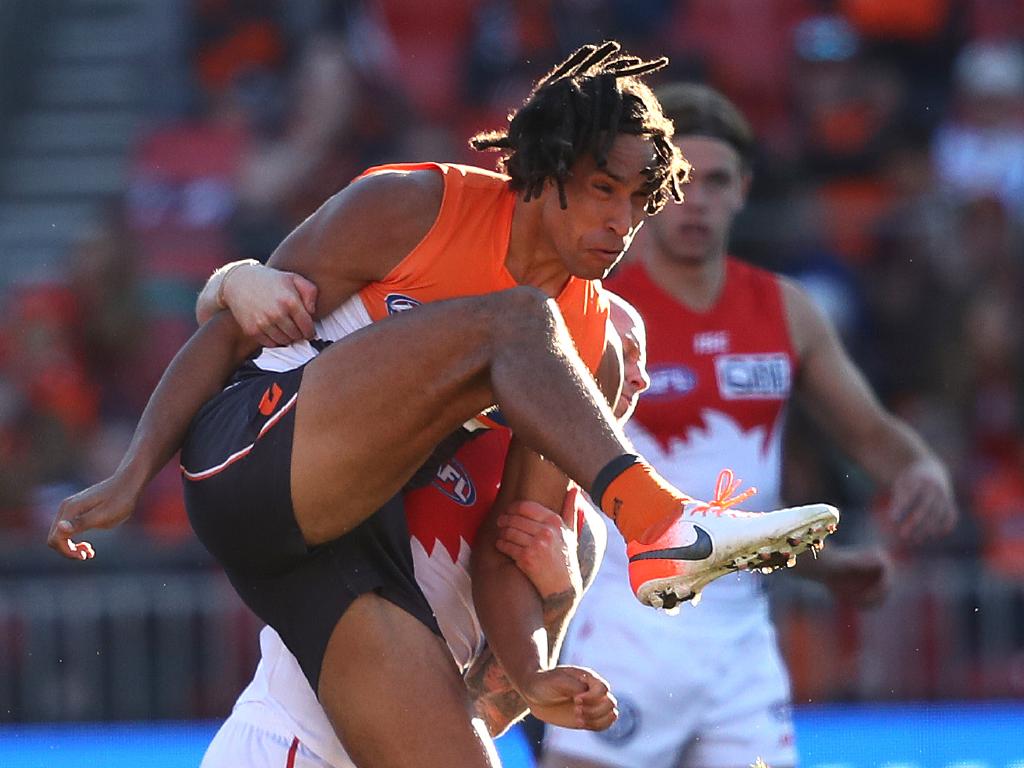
x=698 y=110
x=579 y=108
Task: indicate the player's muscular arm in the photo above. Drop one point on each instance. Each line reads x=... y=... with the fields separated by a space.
x=507 y=603
x=197 y=372
x=505 y=600
x=360 y=234
x=355 y=237
x=840 y=399
x=559 y=561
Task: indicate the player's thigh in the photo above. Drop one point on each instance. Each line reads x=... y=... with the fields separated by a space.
x=648 y=731
x=393 y=693
x=627 y=645
x=372 y=406
x=748 y=712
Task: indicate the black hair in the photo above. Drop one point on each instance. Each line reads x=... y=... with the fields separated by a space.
x=698 y=110
x=579 y=108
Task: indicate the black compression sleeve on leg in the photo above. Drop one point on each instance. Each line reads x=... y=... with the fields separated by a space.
x=609 y=472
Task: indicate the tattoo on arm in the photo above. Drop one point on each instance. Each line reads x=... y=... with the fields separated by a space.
x=494 y=698
x=557 y=608
x=586 y=553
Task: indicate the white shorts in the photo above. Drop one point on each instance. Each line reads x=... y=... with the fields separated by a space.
x=248 y=743
x=688 y=700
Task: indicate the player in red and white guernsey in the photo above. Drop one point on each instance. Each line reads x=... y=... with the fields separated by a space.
x=278 y=717
x=729 y=345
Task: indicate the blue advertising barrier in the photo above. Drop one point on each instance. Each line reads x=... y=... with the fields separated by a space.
x=835 y=736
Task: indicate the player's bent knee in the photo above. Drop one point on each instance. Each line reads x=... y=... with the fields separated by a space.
x=520 y=311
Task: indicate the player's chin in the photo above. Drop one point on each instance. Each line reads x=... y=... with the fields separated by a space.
x=597 y=264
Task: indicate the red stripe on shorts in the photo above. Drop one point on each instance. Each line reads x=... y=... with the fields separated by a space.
x=291 y=753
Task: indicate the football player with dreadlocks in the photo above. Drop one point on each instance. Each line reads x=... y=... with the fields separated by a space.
x=442 y=292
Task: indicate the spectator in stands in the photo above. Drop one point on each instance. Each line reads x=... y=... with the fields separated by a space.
x=979 y=149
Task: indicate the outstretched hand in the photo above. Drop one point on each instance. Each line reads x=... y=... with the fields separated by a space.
x=271 y=307
x=571 y=697
x=923 y=505
x=104 y=505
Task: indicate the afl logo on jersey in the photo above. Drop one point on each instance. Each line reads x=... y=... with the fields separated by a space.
x=398 y=303
x=670 y=381
x=454 y=481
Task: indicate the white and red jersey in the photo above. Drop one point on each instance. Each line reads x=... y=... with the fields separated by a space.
x=720 y=383
x=443 y=520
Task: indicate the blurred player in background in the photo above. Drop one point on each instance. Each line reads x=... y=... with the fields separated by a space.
x=278 y=714
x=728 y=346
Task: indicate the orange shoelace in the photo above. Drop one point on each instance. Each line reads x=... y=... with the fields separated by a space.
x=725 y=486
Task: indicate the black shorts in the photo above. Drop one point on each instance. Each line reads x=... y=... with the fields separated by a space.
x=236 y=465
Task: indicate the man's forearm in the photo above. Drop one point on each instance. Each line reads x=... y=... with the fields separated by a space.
x=890 y=449
x=557 y=610
x=510 y=612
x=196 y=373
x=494 y=697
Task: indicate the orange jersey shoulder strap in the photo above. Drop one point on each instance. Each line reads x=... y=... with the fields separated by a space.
x=464 y=252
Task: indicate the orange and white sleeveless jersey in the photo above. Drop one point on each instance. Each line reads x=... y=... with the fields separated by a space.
x=463 y=254
x=720 y=383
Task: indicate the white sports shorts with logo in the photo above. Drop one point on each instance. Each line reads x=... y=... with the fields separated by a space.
x=686 y=699
x=252 y=737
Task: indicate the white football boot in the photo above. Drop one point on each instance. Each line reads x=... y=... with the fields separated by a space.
x=710 y=539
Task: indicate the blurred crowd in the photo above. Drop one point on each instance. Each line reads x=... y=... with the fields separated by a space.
x=890 y=181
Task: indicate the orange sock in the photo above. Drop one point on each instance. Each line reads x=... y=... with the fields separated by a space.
x=636 y=497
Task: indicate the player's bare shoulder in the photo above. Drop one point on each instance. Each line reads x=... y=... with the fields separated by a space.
x=362 y=232
x=393 y=211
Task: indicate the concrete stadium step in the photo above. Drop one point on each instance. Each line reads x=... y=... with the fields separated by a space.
x=28 y=263
x=45 y=223
x=110 y=7
x=97 y=85
x=56 y=131
x=38 y=176
x=89 y=39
